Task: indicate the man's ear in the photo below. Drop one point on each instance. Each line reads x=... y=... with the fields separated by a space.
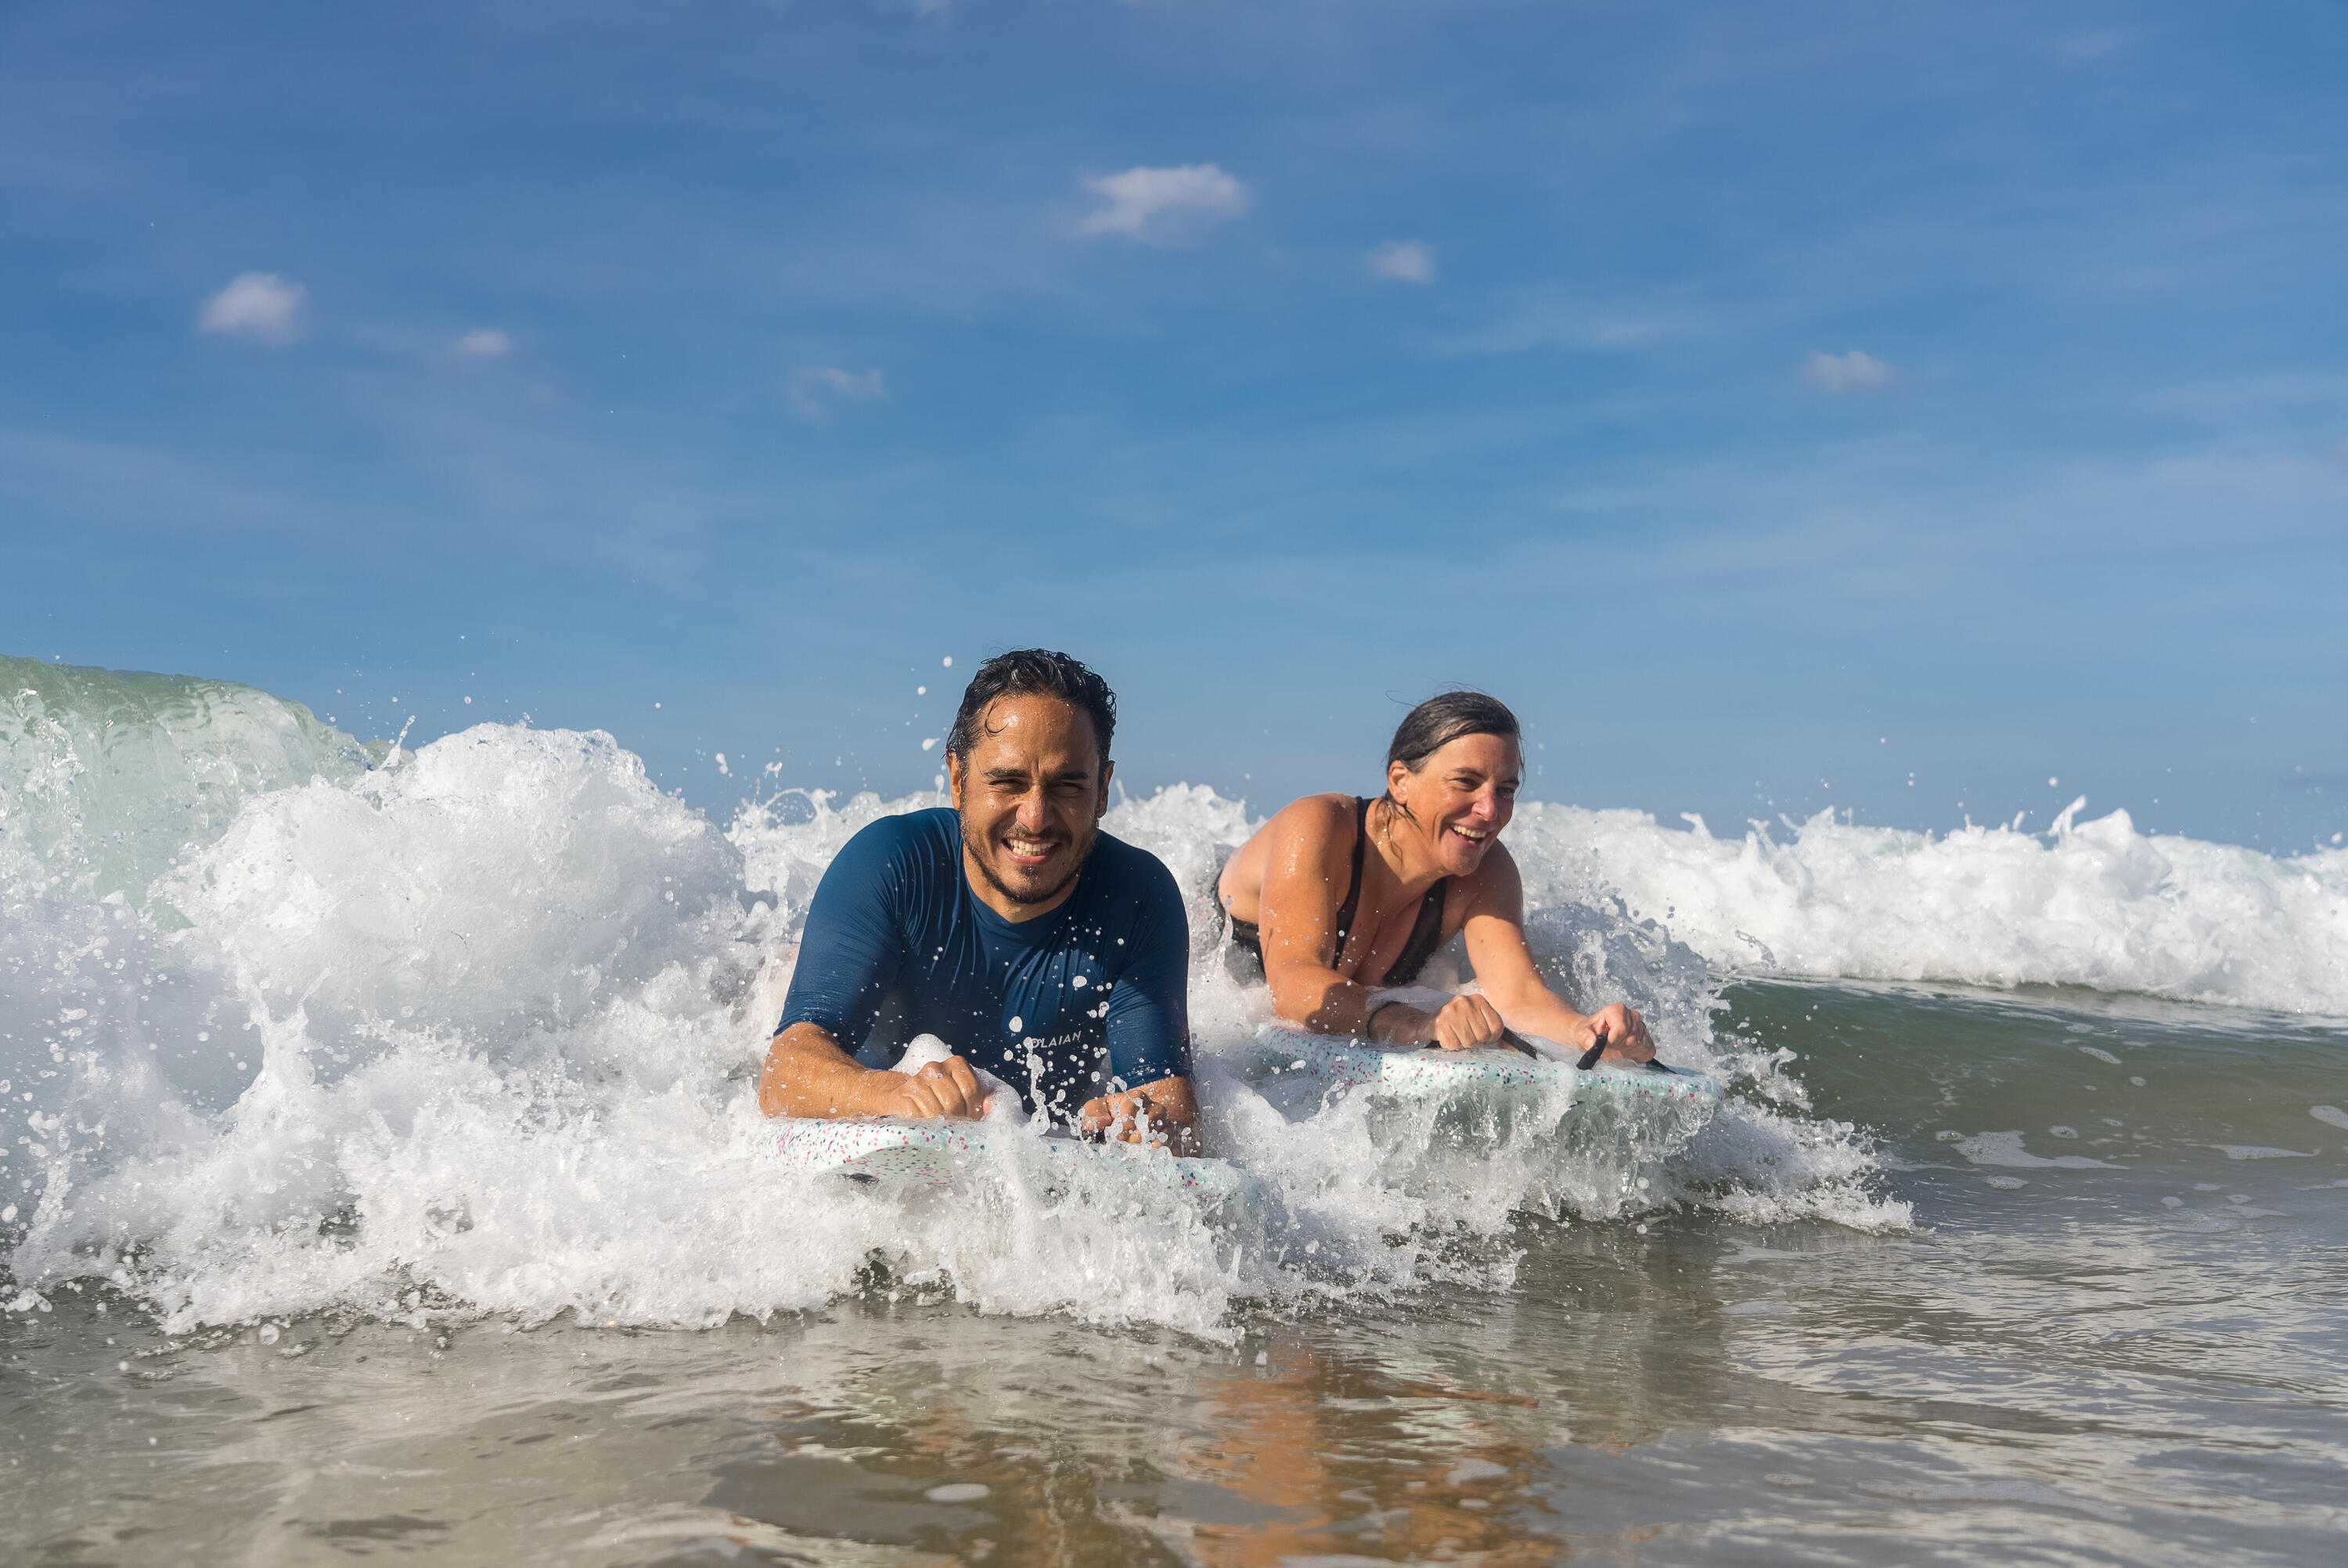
x=953 y=779
x=1100 y=804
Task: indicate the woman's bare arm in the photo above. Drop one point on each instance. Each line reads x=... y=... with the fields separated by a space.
x=1307 y=866
x=1504 y=966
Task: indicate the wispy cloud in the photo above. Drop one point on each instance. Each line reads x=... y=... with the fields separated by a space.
x=1848 y=374
x=1403 y=262
x=484 y=343
x=812 y=383
x=262 y=304
x=1163 y=206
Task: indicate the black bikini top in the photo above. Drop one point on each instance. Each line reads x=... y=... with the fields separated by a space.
x=1426 y=935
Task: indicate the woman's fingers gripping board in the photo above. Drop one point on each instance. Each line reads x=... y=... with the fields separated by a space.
x=1465 y=1022
x=1620 y=1031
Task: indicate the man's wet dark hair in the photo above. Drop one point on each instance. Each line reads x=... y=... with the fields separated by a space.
x=1036 y=672
x=1443 y=719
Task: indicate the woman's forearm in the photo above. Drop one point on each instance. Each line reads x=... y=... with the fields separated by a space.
x=1321 y=1000
x=1543 y=1012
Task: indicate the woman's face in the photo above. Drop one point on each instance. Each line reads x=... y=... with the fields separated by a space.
x=1462 y=795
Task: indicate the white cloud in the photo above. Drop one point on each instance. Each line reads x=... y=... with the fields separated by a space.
x=809 y=383
x=1402 y=261
x=262 y=303
x=1848 y=374
x=484 y=343
x=1163 y=206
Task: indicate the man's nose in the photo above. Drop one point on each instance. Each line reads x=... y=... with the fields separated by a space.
x=1034 y=810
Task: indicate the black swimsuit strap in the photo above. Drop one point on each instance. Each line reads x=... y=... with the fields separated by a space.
x=1426 y=934
x=1352 y=894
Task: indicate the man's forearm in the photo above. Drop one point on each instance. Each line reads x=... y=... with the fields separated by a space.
x=806 y=1074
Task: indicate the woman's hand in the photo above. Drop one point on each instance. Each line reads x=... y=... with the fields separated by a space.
x=1459 y=1024
x=1625 y=1032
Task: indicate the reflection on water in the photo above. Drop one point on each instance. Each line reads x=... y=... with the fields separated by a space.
x=2134 y=1356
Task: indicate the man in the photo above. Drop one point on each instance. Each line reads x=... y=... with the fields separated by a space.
x=1036 y=946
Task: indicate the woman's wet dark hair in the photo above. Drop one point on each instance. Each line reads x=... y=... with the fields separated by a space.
x=1025 y=671
x=1443 y=719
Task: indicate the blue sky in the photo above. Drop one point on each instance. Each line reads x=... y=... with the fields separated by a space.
x=1772 y=403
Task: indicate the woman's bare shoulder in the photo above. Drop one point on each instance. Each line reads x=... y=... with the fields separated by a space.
x=1313 y=817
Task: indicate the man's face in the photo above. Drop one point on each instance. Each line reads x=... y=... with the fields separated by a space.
x=1031 y=796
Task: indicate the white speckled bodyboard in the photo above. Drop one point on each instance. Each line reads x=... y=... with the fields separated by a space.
x=917 y=1155
x=1344 y=1063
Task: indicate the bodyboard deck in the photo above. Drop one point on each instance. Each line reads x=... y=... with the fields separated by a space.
x=1427 y=1071
x=910 y=1155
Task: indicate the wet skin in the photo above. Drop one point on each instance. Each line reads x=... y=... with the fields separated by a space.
x=1443 y=820
x=1031 y=795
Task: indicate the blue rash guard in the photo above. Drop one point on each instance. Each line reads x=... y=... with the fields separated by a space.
x=1072 y=1005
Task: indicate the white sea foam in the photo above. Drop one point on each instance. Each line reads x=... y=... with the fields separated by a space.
x=2088 y=904
x=477 y=1030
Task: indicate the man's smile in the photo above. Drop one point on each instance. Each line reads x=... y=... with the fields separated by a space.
x=1027 y=851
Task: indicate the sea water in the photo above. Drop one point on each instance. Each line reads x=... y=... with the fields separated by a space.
x=380 y=1169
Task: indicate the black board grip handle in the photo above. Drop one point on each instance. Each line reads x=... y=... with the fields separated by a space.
x=1590 y=1058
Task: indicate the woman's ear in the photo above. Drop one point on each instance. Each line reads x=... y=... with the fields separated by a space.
x=1398 y=783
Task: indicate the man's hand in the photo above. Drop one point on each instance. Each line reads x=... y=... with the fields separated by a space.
x=806 y=1074
x=1625 y=1032
x=947 y=1088
x=1159 y=1114
x=1460 y=1023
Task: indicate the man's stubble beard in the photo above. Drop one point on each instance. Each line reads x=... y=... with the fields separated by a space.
x=974 y=848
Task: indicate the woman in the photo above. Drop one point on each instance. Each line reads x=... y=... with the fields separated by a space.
x=1341 y=899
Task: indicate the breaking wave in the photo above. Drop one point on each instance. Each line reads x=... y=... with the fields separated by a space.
x=291 y=1024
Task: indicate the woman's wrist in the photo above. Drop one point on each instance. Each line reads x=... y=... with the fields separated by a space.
x=1416 y=1022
